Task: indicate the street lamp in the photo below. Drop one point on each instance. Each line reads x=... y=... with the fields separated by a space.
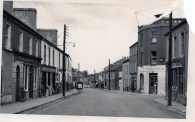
x=64 y=61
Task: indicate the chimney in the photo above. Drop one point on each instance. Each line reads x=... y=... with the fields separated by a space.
x=49 y=34
x=157 y=15
x=8 y=6
x=27 y=15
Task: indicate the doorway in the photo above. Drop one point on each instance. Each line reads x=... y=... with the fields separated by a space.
x=153 y=83
x=31 y=82
x=17 y=83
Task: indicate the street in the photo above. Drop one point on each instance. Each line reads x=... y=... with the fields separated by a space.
x=95 y=102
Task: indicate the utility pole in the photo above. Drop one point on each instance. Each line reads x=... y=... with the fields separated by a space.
x=109 y=74
x=170 y=61
x=64 y=62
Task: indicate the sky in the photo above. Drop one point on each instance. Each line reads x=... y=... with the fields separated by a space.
x=101 y=30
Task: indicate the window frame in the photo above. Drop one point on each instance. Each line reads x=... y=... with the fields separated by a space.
x=8 y=36
x=21 y=40
x=153 y=36
x=152 y=57
x=30 y=45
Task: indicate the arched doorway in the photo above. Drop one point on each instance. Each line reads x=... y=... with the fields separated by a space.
x=17 y=83
x=141 y=82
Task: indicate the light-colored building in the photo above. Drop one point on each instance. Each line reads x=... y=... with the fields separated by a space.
x=126 y=75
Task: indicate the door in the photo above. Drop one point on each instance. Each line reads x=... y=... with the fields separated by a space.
x=153 y=83
x=17 y=83
x=31 y=82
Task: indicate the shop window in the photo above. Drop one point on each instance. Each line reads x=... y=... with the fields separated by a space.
x=26 y=77
x=21 y=42
x=153 y=57
x=35 y=78
x=8 y=36
x=180 y=81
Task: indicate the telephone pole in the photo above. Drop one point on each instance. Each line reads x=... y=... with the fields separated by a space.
x=109 y=74
x=170 y=61
x=64 y=62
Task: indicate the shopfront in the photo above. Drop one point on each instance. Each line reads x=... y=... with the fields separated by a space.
x=151 y=79
x=48 y=80
x=179 y=77
x=27 y=75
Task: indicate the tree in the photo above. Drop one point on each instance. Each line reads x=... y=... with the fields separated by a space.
x=85 y=73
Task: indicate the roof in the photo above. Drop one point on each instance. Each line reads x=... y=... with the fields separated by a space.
x=127 y=60
x=183 y=22
x=133 y=44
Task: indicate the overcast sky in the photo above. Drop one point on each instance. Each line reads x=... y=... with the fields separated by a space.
x=101 y=30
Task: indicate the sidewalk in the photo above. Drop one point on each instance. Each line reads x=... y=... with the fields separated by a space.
x=17 y=107
x=175 y=106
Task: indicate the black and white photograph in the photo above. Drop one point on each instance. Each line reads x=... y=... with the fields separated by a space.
x=105 y=60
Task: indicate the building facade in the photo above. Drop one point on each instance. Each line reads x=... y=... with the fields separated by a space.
x=180 y=39
x=21 y=56
x=126 y=75
x=151 y=56
x=133 y=66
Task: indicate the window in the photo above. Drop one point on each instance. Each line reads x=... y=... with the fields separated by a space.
x=182 y=44
x=21 y=42
x=175 y=47
x=141 y=82
x=141 y=58
x=180 y=81
x=35 y=78
x=135 y=66
x=154 y=40
x=8 y=36
x=53 y=58
x=59 y=60
x=30 y=45
x=153 y=57
x=49 y=55
x=26 y=77
x=141 y=39
x=44 y=54
x=37 y=48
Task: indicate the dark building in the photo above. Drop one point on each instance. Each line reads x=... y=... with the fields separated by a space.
x=21 y=57
x=180 y=39
x=151 y=56
x=133 y=66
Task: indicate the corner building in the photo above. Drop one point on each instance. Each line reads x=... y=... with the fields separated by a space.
x=151 y=56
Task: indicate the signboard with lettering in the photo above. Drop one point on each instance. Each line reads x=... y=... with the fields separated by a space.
x=177 y=64
x=26 y=59
x=48 y=69
x=149 y=69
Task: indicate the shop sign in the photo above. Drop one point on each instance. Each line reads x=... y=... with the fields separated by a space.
x=48 y=69
x=25 y=59
x=155 y=69
x=178 y=64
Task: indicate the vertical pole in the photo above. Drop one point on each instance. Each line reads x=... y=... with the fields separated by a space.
x=64 y=61
x=169 y=61
x=109 y=74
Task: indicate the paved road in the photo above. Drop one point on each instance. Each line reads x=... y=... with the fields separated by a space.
x=94 y=102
